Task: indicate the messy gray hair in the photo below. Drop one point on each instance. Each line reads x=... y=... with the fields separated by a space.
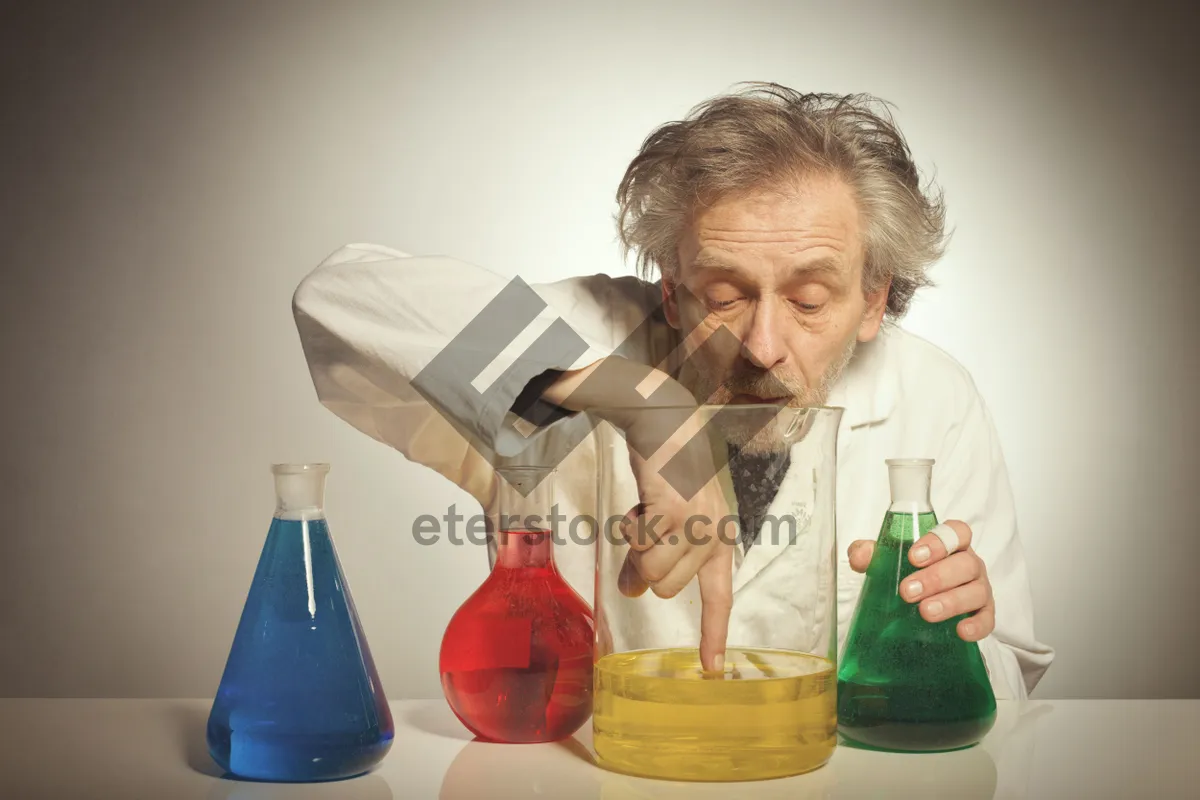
x=764 y=135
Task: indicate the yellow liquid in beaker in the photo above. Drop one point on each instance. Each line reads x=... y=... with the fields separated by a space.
x=772 y=713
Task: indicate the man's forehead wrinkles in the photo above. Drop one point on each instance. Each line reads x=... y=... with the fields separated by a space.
x=799 y=233
x=827 y=264
x=807 y=243
x=709 y=252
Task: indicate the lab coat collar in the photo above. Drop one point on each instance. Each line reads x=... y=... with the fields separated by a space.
x=867 y=389
x=867 y=392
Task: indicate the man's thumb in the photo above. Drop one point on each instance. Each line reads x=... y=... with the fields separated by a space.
x=859 y=553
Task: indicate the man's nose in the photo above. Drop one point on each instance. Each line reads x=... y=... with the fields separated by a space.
x=764 y=340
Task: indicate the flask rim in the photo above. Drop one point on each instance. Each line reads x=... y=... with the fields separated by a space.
x=909 y=462
x=300 y=468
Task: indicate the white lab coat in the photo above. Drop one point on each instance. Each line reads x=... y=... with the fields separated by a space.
x=371 y=318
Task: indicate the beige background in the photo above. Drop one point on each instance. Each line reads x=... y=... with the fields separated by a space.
x=172 y=170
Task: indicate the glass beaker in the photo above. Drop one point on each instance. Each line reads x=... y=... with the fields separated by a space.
x=905 y=683
x=300 y=699
x=770 y=711
x=516 y=658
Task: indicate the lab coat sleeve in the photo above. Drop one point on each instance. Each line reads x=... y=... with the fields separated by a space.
x=971 y=484
x=429 y=354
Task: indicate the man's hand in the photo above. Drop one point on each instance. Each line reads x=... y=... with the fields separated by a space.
x=946 y=585
x=674 y=539
x=670 y=543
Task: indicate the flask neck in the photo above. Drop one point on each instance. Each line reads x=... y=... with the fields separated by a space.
x=518 y=549
x=300 y=490
x=910 y=481
x=525 y=505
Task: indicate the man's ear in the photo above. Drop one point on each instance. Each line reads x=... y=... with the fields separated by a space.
x=872 y=319
x=670 y=303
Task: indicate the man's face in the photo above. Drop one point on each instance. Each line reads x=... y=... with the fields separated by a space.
x=782 y=270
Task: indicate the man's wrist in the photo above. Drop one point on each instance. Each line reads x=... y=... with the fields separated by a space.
x=531 y=404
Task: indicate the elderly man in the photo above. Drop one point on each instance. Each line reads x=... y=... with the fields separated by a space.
x=795 y=222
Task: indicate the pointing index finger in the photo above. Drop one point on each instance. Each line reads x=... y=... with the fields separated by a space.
x=716 y=603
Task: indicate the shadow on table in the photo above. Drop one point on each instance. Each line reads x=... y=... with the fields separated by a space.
x=190 y=723
x=367 y=787
x=436 y=721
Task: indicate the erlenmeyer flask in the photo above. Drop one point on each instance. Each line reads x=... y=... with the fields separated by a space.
x=905 y=683
x=516 y=658
x=300 y=699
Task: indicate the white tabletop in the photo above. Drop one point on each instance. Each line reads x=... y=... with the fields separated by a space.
x=155 y=749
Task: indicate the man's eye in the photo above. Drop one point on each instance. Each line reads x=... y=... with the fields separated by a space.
x=807 y=308
x=718 y=305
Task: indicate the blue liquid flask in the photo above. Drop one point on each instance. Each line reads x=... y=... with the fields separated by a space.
x=300 y=699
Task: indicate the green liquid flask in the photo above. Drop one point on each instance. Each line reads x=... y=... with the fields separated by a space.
x=905 y=683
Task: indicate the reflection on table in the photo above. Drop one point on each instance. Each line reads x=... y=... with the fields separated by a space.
x=567 y=770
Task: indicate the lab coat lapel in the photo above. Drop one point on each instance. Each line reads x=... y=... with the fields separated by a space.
x=787 y=518
x=866 y=392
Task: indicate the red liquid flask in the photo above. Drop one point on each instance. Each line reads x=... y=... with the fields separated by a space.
x=516 y=658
